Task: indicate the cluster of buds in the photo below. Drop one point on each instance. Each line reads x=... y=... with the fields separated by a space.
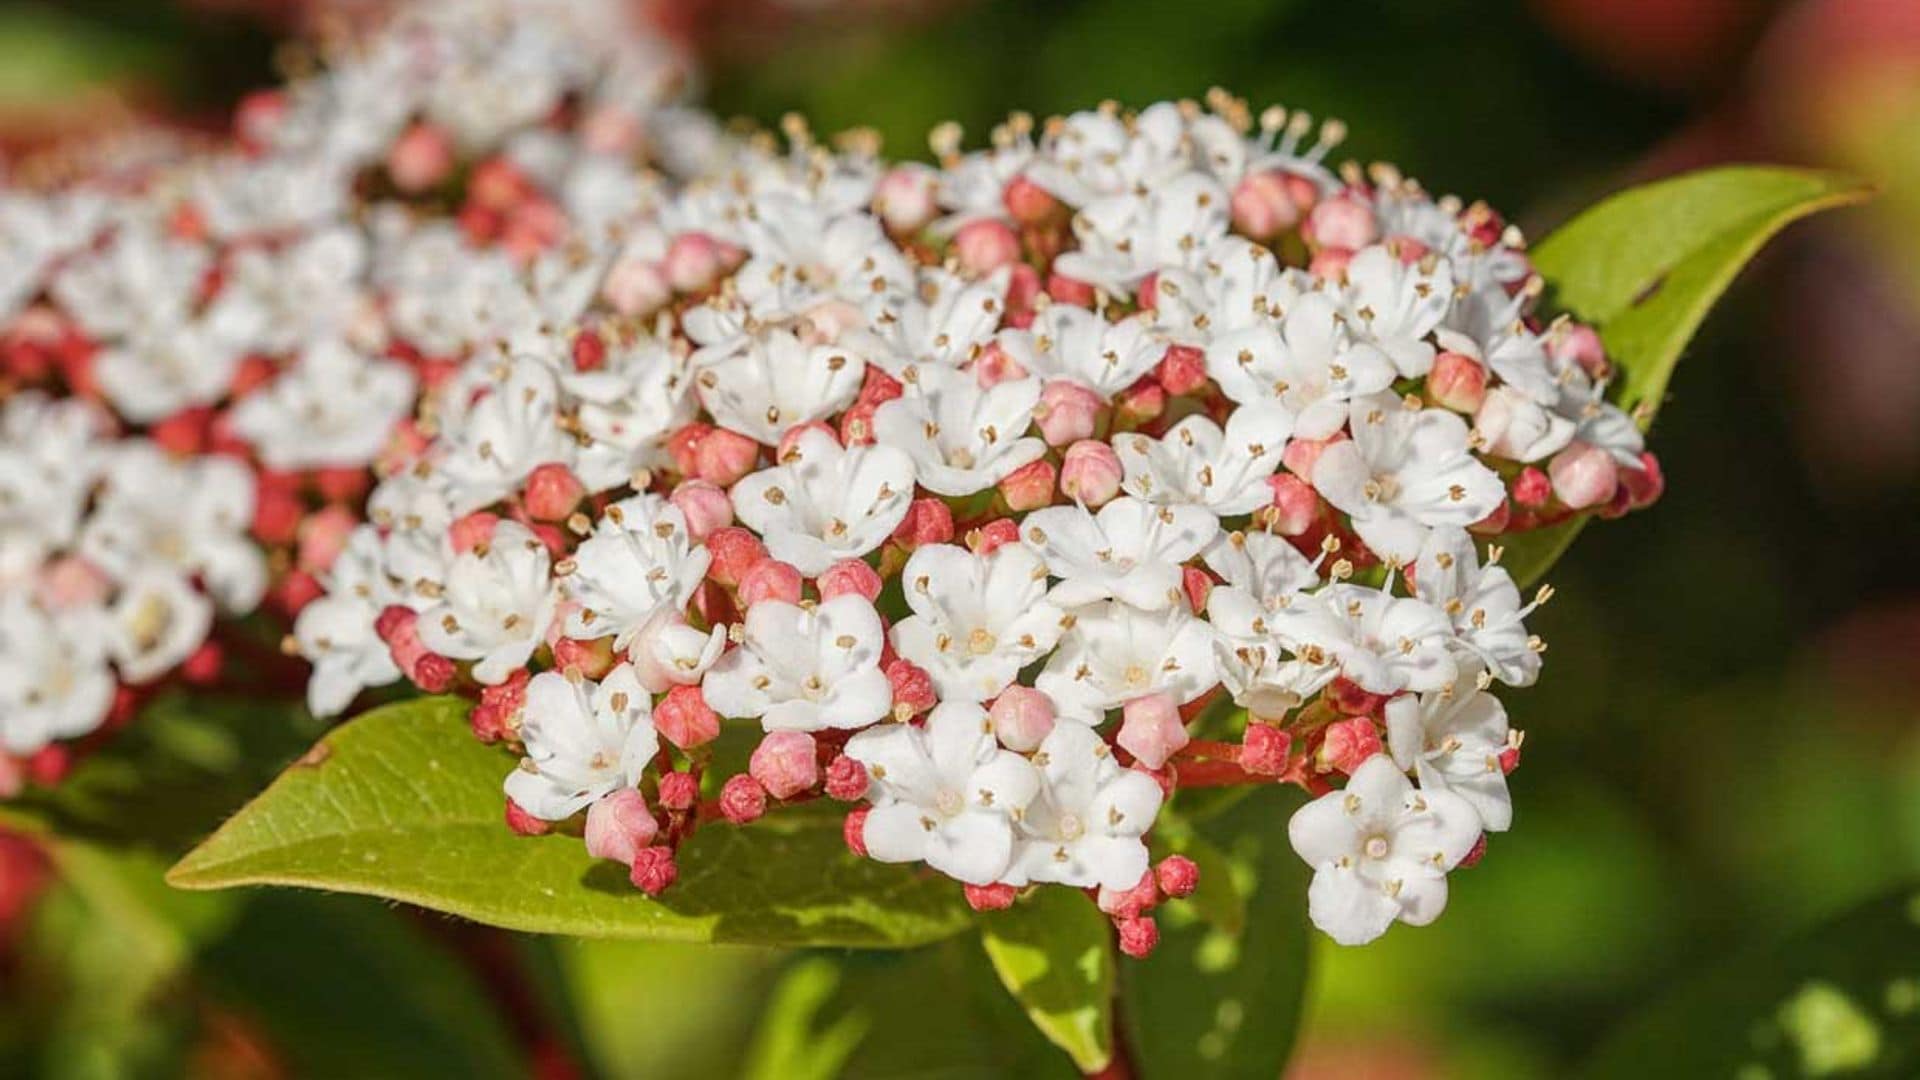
x=208 y=350
x=1003 y=499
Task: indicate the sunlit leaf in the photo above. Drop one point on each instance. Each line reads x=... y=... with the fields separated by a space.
x=1054 y=952
x=404 y=803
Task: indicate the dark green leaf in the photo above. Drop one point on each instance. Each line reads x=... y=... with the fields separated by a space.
x=404 y=803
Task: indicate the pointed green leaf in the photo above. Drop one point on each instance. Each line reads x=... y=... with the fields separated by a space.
x=405 y=804
x=1646 y=265
x=1219 y=997
x=1054 y=953
x=1839 y=999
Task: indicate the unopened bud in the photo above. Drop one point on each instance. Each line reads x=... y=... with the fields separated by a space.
x=693 y=262
x=849 y=576
x=684 y=719
x=904 y=198
x=735 y=552
x=524 y=823
x=420 y=158
x=1139 y=937
x=1264 y=750
x=771 y=579
x=1183 y=370
x=785 y=763
x=742 y=799
x=678 y=791
x=1091 y=473
x=636 y=287
x=1343 y=221
x=1031 y=204
x=985 y=245
x=1151 y=730
x=1457 y=382
x=619 y=826
x=654 y=870
x=704 y=506
x=1068 y=412
x=1584 y=475
x=1262 y=206
x=1022 y=717
x=846 y=779
x=1532 y=488
x=1177 y=876
x=928 y=521
x=995 y=897
x=912 y=688
x=1348 y=743
x=1131 y=902
x=552 y=492
x=1029 y=487
x=724 y=456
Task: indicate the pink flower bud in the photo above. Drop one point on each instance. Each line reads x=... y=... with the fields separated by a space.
x=1302 y=454
x=1141 y=403
x=994 y=535
x=1022 y=717
x=1023 y=291
x=771 y=579
x=1177 y=876
x=1031 y=204
x=276 y=514
x=1474 y=854
x=1646 y=484
x=1029 y=487
x=1139 y=937
x=589 y=351
x=1330 y=263
x=498 y=713
x=904 y=198
x=1347 y=743
x=524 y=823
x=684 y=719
x=472 y=532
x=849 y=576
x=825 y=322
x=1091 y=473
x=1264 y=750
x=72 y=582
x=1346 y=695
x=202 y=668
x=993 y=366
x=619 y=826
x=398 y=626
x=636 y=286
x=705 y=506
x=1197 y=586
x=1295 y=506
x=592 y=659
x=1495 y=522
x=654 y=870
x=986 y=245
x=1581 y=344
x=1150 y=729
x=912 y=689
x=928 y=521
x=679 y=791
x=742 y=799
x=1067 y=290
x=846 y=779
x=995 y=897
x=1131 y=902
x=854 y=830
x=785 y=763
x=610 y=129
x=693 y=262
x=1068 y=412
x=1584 y=475
x=552 y=492
x=420 y=158
x=683 y=446
x=735 y=551
x=1531 y=488
x=723 y=457
x=1457 y=382
x=1183 y=370
x=1262 y=206
x=258 y=116
x=322 y=537
x=1343 y=221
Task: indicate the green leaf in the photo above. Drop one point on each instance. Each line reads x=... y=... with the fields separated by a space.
x=1220 y=998
x=1646 y=265
x=1054 y=952
x=698 y=1029
x=1841 y=998
x=404 y=803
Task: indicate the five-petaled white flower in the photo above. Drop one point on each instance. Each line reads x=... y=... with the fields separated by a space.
x=825 y=502
x=1396 y=304
x=977 y=619
x=1197 y=462
x=1131 y=550
x=333 y=408
x=1455 y=739
x=1484 y=604
x=1085 y=828
x=54 y=678
x=336 y=631
x=495 y=605
x=945 y=793
x=963 y=437
x=1381 y=642
x=804 y=668
x=639 y=564
x=1405 y=471
x=1114 y=653
x=1306 y=361
x=1380 y=851
x=763 y=384
x=1081 y=346
x=513 y=429
x=583 y=741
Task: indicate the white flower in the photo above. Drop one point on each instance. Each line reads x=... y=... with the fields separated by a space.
x=945 y=321
x=165 y=367
x=963 y=438
x=1085 y=827
x=1196 y=462
x=1238 y=286
x=143 y=278
x=826 y=502
x=1266 y=567
x=277 y=302
x=1380 y=851
x=1484 y=604
x=1131 y=550
x=1080 y=346
x=945 y=794
x=639 y=564
x=54 y=679
x=495 y=606
x=1124 y=238
x=1263 y=575
x=802 y=253
x=1099 y=153
x=1307 y=362
x=583 y=741
x=669 y=652
x=336 y=632
x=804 y=669
x=1453 y=739
x=50 y=456
x=977 y=619
x=761 y=385
x=1396 y=305
x=1487 y=325
x=333 y=408
x=1405 y=471
x=512 y=430
x=1383 y=643
x=189 y=515
x=157 y=621
x=1114 y=653
x=1511 y=425
x=628 y=408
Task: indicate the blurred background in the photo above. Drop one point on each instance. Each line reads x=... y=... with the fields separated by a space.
x=1725 y=747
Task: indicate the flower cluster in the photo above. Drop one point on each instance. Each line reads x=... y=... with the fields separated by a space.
x=205 y=349
x=1006 y=497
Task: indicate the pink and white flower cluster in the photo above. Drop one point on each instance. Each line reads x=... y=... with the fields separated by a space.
x=1004 y=498
x=205 y=350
